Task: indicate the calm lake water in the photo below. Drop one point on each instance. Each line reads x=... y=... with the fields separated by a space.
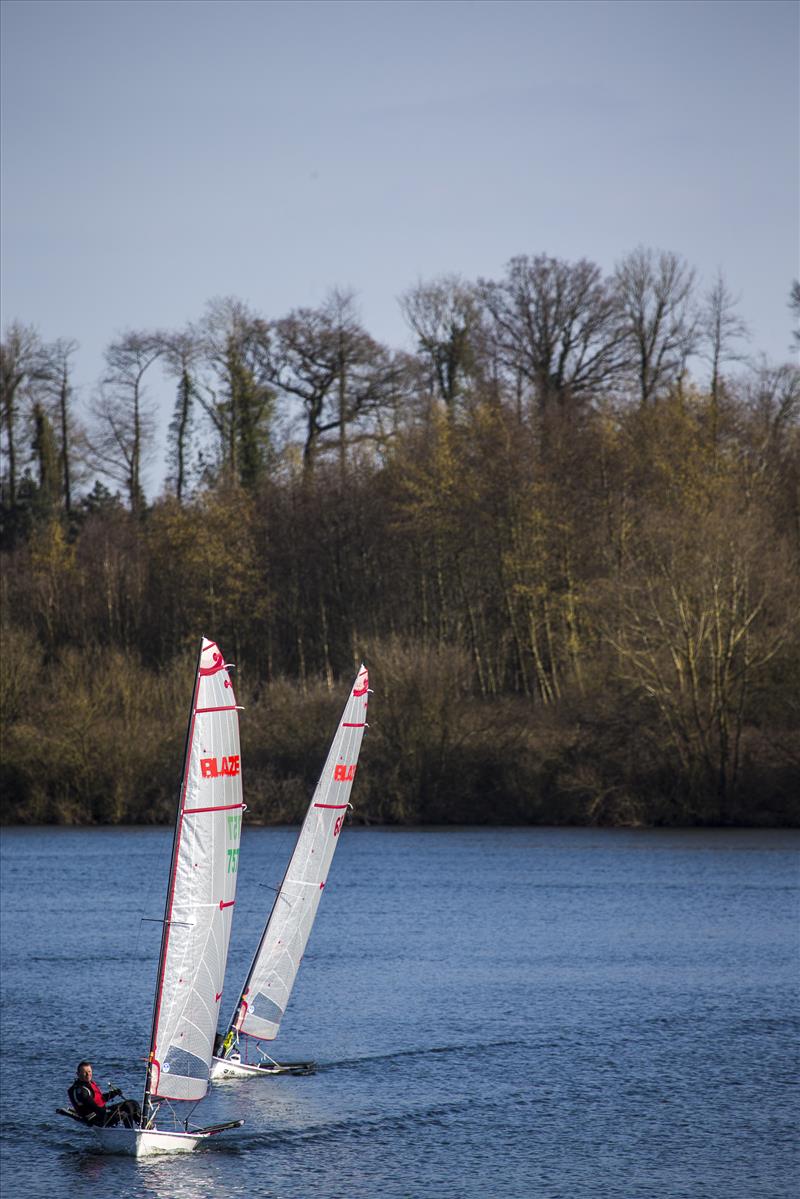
x=515 y=1013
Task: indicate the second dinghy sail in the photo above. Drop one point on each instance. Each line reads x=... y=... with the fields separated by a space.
x=201 y=893
x=266 y=990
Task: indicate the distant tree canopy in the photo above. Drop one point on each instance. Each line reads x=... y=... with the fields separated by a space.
x=572 y=565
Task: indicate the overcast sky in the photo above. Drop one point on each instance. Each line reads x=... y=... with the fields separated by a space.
x=158 y=153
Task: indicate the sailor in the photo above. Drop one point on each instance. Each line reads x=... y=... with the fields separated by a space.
x=91 y=1103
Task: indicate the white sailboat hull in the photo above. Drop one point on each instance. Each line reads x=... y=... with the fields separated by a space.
x=136 y=1142
x=223 y=1069
x=144 y=1142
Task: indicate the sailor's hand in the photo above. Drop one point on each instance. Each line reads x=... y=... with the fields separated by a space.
x=112 y=1094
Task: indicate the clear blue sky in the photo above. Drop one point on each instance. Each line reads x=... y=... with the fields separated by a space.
x=158 y=154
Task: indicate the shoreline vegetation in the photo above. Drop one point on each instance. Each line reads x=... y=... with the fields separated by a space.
x=110 y=732
x=571 y=564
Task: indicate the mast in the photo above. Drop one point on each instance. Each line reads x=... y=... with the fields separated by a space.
x=170 y=888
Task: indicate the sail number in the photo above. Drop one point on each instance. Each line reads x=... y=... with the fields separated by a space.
x=234 y=821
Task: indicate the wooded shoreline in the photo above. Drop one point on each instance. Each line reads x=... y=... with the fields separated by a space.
x=463 y=761
x=572 y=567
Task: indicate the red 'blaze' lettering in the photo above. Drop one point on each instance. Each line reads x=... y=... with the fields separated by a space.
x=210 y=768
x=344 y=774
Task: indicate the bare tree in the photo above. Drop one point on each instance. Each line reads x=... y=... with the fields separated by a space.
x=72 y=451
x=719 y=329
x=557 y=325
x=771 y=456
x=772 y=394
x=445 y=316
x=656 y=295
x=702 y=612
x=124 y=418
x=324 y=358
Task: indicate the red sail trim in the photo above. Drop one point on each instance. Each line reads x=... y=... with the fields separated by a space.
x=219 y=661
x=346 y=724
x=224 y=708
x=334 y=806
x=240 y=1014
x=226 y=807
x=229 y=904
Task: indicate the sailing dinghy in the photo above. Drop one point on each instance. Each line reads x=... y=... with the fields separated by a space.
x=268 y=985
x=197 y=922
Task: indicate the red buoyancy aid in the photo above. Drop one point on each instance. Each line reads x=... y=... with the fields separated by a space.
x=79 y=1088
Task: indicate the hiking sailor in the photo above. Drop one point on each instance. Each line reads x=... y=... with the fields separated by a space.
x=91 y=1103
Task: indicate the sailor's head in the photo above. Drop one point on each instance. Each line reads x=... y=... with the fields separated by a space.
x=85 y=1071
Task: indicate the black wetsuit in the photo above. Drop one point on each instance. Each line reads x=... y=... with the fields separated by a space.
x=84 y=1098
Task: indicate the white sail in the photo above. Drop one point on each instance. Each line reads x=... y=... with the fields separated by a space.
x=269 y=983
x=202 y=889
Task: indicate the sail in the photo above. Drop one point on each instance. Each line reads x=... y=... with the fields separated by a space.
x=272 y=974
x=202 y=889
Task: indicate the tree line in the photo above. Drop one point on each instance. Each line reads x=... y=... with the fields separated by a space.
x=564 y=533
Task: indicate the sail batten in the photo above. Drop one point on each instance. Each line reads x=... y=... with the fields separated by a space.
x=219 y=808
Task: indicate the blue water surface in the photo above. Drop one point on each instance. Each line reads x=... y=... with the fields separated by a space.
x=521 y=1013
